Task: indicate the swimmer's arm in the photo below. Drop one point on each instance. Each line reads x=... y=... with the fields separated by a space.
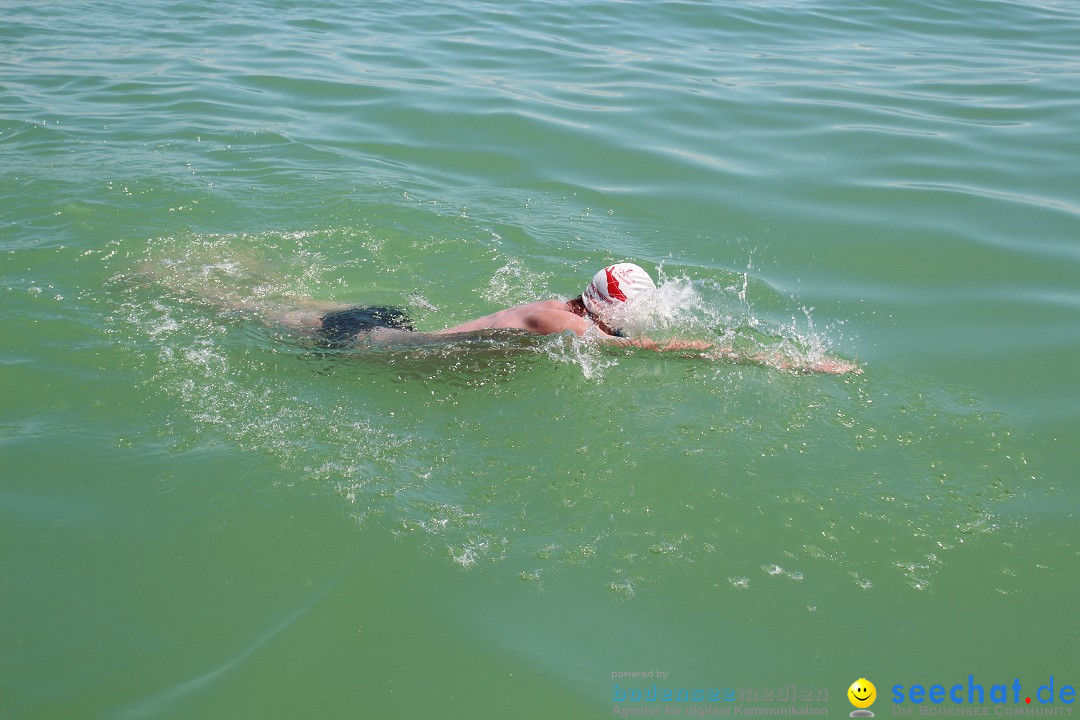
x=551 y=322
x=645 y=343
x=827 y=365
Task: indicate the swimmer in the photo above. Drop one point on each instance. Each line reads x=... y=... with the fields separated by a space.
x=595 y=312
x=600 y=312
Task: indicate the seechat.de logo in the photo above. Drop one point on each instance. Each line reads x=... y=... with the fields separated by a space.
x=862 y=695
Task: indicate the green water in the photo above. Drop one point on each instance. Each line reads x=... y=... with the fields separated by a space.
x=204 y=517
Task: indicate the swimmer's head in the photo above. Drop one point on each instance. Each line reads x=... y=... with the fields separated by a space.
x=610 y=289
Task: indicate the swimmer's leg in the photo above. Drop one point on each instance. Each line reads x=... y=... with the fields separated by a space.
x=300 y=314
x=234 y=285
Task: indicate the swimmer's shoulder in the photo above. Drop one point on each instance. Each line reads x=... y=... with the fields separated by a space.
x=540 y=306
x=550 y=317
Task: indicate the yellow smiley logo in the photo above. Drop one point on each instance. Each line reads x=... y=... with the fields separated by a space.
x=862 y=693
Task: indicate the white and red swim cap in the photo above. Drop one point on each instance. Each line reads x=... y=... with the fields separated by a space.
x=612 y=286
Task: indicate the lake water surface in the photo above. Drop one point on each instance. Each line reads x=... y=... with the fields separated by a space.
x=202 y=516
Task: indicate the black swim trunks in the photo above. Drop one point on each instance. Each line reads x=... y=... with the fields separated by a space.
x=341 y=326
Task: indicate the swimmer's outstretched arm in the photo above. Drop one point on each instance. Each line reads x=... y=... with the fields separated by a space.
x=547 y=322
x=647 y=344
x=827 y=365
